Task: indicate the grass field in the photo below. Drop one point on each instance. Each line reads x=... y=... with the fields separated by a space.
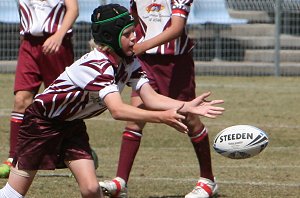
x=166 y=165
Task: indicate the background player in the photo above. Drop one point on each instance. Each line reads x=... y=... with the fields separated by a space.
x=165 y=52
x=46 y=49
x=53 y=130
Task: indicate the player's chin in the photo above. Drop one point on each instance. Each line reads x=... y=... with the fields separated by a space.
x=129 y=52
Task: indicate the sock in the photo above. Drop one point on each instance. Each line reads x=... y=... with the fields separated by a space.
x=8 y=192
x=15 y=123
x=130 y=145
x=200 y=142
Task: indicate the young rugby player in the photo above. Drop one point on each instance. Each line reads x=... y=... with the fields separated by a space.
x=53 y=130
x=46 y=49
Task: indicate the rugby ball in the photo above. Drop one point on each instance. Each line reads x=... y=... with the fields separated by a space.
x=240 y=141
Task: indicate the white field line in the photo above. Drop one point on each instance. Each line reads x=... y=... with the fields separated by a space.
x=285 y=167
x=229 y=166
x=279 y=148
x=182 y=180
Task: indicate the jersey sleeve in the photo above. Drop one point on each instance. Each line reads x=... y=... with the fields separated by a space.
x=93 y=76
x=181 y=8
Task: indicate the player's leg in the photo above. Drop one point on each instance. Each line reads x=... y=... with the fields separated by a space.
x=18 y=183
x=131 y=139
x=182 y=86
x=199 y=138
x=27 y=82
x=85 y=175
x=206 y=186
x=21 y=101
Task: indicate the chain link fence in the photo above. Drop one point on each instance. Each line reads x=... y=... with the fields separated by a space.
x=232 y=37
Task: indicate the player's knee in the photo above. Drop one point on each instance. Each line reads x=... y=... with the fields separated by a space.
x=135 y=126
x=21 y=103
x=90 y=189
x=194 y=124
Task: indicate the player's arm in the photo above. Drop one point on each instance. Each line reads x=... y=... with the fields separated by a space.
x=72 y=12
x=199 y=106
x=121 y=111
x=172 y=32
x=53 y=43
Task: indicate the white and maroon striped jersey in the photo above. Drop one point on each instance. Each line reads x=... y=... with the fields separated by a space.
x=79 y=91
x=155 y=17
x=41 y=16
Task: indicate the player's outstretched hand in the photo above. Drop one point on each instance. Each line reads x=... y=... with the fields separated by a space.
x=174 y=119
x=203 y=107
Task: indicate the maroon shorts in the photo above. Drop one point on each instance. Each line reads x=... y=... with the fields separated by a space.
x=34 y=67
x=172 y=76
x=44 y=144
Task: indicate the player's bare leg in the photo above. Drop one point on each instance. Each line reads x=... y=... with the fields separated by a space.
x=18 y=183
x=85 y=175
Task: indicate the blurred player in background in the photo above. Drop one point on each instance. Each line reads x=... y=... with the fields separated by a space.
x=53 y=130
x=165 y=52
x=46 y=49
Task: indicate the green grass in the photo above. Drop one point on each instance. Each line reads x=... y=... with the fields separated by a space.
x=166 y=165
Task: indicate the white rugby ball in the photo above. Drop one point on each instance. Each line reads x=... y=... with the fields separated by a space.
x=240 y=141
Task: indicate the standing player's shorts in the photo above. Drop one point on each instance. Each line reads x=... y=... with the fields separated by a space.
x=169 y=75
x=44 y=144
x=34 y=67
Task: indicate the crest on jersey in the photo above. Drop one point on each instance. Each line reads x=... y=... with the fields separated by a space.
x=154 y=7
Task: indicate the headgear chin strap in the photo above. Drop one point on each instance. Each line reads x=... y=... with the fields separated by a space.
x=108 y=24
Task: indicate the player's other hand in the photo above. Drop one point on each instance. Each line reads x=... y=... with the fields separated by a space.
x=202 y=106
x=52 y=44
x=174 y=119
